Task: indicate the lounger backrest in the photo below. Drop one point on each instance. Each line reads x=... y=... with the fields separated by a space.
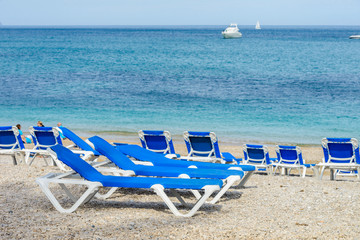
x=76 y=163
x=10 y=138
x=203 y=144
x=157 y=141
x=256 y=154
x=109 y=151
x=340 y=150
x=289 y=154
x=77 y=140
x=45 y=137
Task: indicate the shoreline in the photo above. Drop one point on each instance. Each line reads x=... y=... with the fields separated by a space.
x=178 y=138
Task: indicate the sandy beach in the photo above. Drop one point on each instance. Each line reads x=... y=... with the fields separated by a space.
x=269 y=207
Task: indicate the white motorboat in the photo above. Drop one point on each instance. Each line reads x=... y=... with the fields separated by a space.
x=232 y=31
x=354 y=37
x=257 y=27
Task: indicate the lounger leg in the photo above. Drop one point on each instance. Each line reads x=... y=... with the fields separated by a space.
x=195 y=192
x=159 y=189
x=106 y=195
x=14 y=159
x=332 y=174
x=28 y=158
x=87 y=195
x=244 y=179
x=181 y=200
x=19 y=157
x=229 y=182
x=276 y=170
x=322 y=172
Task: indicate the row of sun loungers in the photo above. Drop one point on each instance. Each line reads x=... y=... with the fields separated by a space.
x=156 y=165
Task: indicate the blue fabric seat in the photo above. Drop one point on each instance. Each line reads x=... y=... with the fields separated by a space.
x=142 y=154
x=258 y=155
x=290 y=157
x=125 y=163
x=341 y=156
x=94 y=180
x=205 y=145
x=10 y=142
x=157 y=141
x=46 y=137
x=230 y=177
x=80 y=143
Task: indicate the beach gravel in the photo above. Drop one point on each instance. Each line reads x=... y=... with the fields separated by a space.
x=279 y=207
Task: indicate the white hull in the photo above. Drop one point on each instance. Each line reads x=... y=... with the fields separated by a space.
x=354 y=37
x=232 y=35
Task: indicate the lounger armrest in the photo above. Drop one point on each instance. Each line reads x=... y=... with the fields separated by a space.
x=228 y=157
x=173 y=156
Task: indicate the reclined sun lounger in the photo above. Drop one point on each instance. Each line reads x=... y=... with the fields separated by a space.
x=341 y=156
x=230 y=177
x=85 y=174
x=204 y=146
x=158 y=141
x=290 y=157
x=43 y=138
x=155 y=159
x=258 y=156
x=11 y=143
x=79 y=144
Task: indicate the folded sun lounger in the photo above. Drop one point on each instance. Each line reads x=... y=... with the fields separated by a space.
x=157 y=141
x=155 y=159
x=230 y=177
x=43 y=138
x=204 y=146
x=258 y=156
x=290 y=157
x=85 y=174
x=341 y=156
x=11 y=143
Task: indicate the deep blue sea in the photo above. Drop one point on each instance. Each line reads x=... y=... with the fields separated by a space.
x=294 y=84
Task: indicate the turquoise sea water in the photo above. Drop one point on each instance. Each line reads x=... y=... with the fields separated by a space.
x=280 y=84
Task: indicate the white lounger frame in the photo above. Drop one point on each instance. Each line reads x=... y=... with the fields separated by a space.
x=334 y=167
x=93 y=188
x=287 y=167
x=86 y=155
x=234 y=181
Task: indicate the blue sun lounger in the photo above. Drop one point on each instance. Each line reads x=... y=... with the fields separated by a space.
x=258 y=156
x=204 y=146
x=86 y=175
x=230 y=177
x=155 y=159
x=11 y=143
x=79 y=144
x=43 y=138
x=158 y=141
x=290 y=157
x=341 y=156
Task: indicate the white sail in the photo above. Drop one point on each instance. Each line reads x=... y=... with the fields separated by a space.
x=257 y=25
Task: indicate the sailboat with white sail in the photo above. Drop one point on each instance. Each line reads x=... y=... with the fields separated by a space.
x=257 y=26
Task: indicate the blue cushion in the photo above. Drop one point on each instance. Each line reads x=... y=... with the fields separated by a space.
x=160 y=160
x=125 y=163
x=89 y=173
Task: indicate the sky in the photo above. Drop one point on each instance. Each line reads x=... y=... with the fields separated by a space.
x=179 y=12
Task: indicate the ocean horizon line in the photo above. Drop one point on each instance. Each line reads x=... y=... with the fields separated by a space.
x=167 y=25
